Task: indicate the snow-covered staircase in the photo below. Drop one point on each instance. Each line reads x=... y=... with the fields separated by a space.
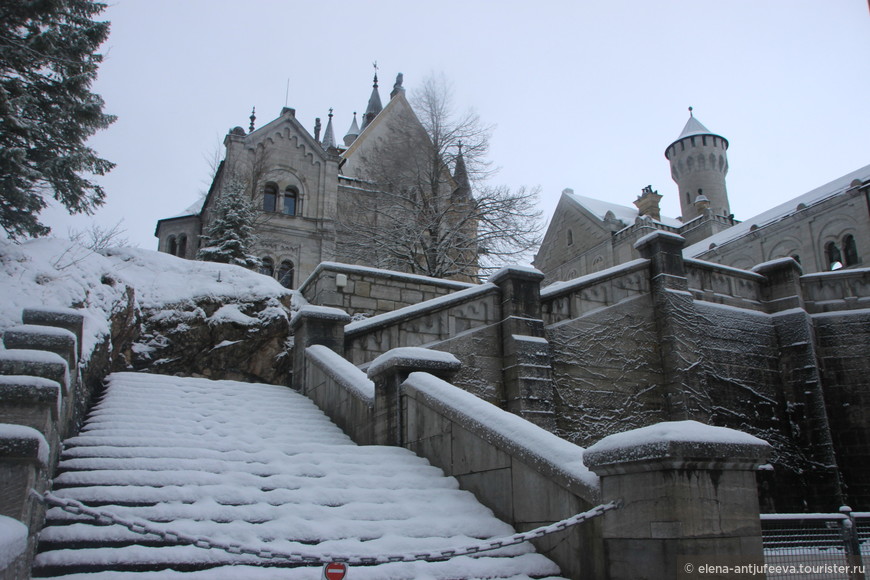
x=260 y=466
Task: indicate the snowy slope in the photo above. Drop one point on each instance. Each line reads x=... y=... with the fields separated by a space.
x=50 y=272
x=262 y=466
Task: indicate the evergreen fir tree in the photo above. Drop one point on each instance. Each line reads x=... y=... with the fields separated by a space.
x=47 y=111
x=230 y=234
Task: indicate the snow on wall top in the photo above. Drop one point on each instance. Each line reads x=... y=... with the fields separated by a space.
x=782 y=211
x=672 y=438
x=513 y=431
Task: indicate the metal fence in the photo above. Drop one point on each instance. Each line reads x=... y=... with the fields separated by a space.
x=817 y=546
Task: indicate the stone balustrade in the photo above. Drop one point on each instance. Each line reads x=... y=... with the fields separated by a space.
x=38 y=384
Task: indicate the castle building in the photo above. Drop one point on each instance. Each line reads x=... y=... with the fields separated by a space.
x=825 y=229
x=307 y=186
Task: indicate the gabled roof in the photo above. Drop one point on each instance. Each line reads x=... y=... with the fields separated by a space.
x=600 y=208
x=780 y=212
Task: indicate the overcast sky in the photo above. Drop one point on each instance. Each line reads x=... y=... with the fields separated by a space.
x=583 y=94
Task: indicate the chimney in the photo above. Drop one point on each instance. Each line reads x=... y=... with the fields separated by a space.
x=648 y=203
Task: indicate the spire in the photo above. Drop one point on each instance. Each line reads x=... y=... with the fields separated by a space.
x=328 y=135
x=693 y=127
x=352 y=133
x=253 y=118
x=374 y=107
x=460 y=176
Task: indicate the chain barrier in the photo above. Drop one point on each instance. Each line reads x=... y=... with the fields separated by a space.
x=145 y=527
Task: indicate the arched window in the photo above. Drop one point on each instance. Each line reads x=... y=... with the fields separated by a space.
x=291 y=197
x=570 y=238
x=285 y=274
x=267 y=267
x=850 y=250
x=270 y=197
x=832 y=253
x=172 y=246
x=182 y=246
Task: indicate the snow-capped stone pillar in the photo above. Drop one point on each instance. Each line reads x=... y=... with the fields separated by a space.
x=33 y=402
x=24 y=456
x=684 y=392
x=315 y=325
x=781 y=289
x=37 y=337
x=526 y=364
x=689 y=500
x=66 y=318
x=388 y=372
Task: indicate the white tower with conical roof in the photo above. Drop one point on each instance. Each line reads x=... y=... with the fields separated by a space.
x=699 y=163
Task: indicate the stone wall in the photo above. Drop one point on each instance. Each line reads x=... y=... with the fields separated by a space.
x=691 y=492
x=464 y=323
x=363 y=292
x=664 y=338
x=843 y=341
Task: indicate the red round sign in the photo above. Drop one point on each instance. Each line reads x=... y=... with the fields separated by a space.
x=335 y=571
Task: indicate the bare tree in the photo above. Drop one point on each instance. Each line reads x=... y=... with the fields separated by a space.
x=425 y=206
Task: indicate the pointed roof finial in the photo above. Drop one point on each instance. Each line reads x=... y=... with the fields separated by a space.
x=374 y=106
x=352 y=133
x=690 y=112
x=329 y=135
x=253 y=118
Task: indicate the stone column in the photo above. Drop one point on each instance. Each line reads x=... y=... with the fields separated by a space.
x=684 y=391
x=388 y=372
x=801 y=379
x=315 y=325
x=689 y=500
x=526 y=366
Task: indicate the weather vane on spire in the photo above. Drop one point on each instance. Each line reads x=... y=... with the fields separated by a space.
x=375 y=65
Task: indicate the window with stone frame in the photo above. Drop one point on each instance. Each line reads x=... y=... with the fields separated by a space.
x=833 y=256
x=291 y=200
x=850 y=250
x=270 y=197
x=267 y=267
x=285 y=274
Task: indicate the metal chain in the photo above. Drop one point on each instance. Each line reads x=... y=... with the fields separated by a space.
x=144 y=527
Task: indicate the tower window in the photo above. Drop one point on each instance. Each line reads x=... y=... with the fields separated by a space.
x=570 y=238
x=285 y=274
x=270 y=197
x=291 y=197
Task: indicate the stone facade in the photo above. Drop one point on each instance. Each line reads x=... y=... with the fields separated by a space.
x=825 y=229
x=304 y=187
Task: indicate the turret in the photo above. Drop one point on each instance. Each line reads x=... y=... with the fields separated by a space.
x=352 y=133
x=699 y=163
x=374 y=106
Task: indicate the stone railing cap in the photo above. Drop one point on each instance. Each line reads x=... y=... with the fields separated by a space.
x=525 y=272
x=659 y=235
x=22 y=442
x=414 y=359
x=678 y=442
x=321 y=312
x=777 y=264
